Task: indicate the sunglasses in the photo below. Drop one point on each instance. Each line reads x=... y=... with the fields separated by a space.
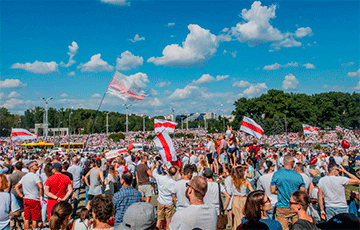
x=268 y=200
x=292 y=203
x=188 y=185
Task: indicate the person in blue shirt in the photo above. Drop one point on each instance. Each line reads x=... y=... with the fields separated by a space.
x=284 y=183
x=256 y=206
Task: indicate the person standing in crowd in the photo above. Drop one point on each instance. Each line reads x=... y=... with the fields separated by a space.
x=199 y=215
x=33 y=192
x=256 y=207
x=96 y=177
x=215 y=156
x=143 y=174
x=250 y=172
x=299 y=202
x=111 y=181
x=76 y=172
x=60 y=216
x=239 y=191
x=264 y=185
x=58 y=187
x=299 y=168
x=9 y=204
x=209 y=151
x=284 y=182
x=64 y=171
x=88 y=166
x=125 y=197
x=332 y=191
x=13 y=180
x=166 y=184
x=223 y=150
x=179 y=197
x=102 y=210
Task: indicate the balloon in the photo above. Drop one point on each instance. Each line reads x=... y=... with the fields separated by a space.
x=345 y=144
x=130 y=147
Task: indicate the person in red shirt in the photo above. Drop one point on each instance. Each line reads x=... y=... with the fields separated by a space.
x=58 y=187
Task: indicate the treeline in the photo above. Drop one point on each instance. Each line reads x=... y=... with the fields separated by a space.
x=324 y=110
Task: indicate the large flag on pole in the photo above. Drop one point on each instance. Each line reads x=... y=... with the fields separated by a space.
x=165 y=146
x=160 y=125
x=308 y=129
x=249 y=126
x=339 y=128
x=22 y=134
x=127 y=88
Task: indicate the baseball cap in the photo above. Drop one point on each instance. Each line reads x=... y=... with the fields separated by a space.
x=56 y=166
x=140 y=215
x=208 y=173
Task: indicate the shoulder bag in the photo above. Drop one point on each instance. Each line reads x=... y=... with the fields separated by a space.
x=222 y=218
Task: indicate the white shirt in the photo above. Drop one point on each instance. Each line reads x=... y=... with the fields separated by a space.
x=338 y=160
x=333 y=188
x=193 y=159
x=264 y=184
x=195 y=216
x=5 y=208
x=209 y=146
x=29 y=186
x=166 y=186
x=179 y=190
x=212 y=195
x=306 y=179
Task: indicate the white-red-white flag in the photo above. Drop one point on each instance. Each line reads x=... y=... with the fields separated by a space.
x=165 y=146
x=249 y=126
x=22 y=134
x=127 y=88
x=339 y=128
x=308 y=129
x=160 y=125
x=114 y=153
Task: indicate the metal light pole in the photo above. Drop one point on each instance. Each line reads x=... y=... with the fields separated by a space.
x=182 y=122
x=107 y=123
x=205 y=123
x=187 y=121
x=69 y=131
x=222 y=109
x=46 y=113
x=143 y=123
x=127 y=117
x=174 y=119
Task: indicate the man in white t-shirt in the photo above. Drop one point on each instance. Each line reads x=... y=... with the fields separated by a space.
x=300 y=168
x=198 y=215
x=33 y=191
x=179 y=197
x=332 y=191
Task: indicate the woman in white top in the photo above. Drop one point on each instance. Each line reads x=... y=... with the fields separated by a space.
x=111 y=180
x=83 y=223
x=238 y=190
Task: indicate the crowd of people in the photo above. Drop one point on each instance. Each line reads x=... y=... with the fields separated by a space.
x=226 y=180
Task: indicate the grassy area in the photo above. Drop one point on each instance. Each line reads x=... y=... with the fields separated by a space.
x=349 y=188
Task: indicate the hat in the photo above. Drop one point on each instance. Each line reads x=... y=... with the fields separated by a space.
x=56 y=166
x=139 y=215
x=316 y=180
x=208 y=173
x=313 y=161
x=341 y=221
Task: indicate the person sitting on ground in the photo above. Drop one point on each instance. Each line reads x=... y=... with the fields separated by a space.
x=256 y=207
x=102 y=210
x=299 y=202
x=60 y=216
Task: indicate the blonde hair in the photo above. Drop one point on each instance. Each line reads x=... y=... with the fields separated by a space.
x=4 y=183
x=239 y=177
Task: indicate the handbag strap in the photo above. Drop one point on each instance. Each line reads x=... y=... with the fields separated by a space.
x=221 y=206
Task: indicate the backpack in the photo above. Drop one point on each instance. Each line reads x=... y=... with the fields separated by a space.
x=252 y=153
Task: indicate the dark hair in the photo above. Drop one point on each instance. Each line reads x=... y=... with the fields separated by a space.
x=47 y=170
x=172 y=171
x=127 y=177
x=98 y=163
x=66 y=165
x=253 y=224
x=60 y=212
x=103 y=207
x=254 y=204
x=300 y=166
x=19 y=165
x=188 y=169
x=84 y=214
x=302 y=198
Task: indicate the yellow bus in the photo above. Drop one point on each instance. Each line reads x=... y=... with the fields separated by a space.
x=73 y=146
x=39 y=145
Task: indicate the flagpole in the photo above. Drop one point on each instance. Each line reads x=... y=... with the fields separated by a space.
x=97 y=112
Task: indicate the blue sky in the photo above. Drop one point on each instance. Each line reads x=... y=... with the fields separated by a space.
x=192 y=56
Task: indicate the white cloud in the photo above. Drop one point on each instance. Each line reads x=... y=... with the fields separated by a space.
x=167 y=92
x=37 y=67
x=254 y=90
x=354 y=74
x=357 y=87
x=163 y=84
x=257 y=27
x=348 y=64
x=12 y=103
x=221 y=77
x=153 y=92
x=63 y=95
x=2 y=95
x=96 y=64
x=96 y=95
x=72 y=73
x=137 y=38
x=241 y=84
x=309 y=66
x=205 y=78
x=277 y=66
x=287 y=42
x=170 y=24
x=198 y=47
x=154 y=102
x=190 y=91
x=11 y=83
x=303 y=32
x=117 y=2
x=290 y=82
x=14 y=94
x=73 y=48
x=128 y=61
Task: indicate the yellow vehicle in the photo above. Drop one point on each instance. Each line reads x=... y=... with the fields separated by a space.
x=73 y=146
x=39 y=145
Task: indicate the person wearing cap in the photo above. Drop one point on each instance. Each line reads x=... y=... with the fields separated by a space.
x=58 y=187
x=125 y=197
x=138 y=216
x=166 y=184
x=332 y=191
x=32 y=192
x=199 y=215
